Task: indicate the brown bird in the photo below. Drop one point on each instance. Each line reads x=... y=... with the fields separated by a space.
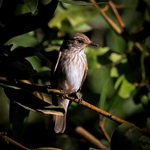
x=69 y=72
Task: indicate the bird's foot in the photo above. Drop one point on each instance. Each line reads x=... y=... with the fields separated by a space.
x=64 y=95
x=78 y=96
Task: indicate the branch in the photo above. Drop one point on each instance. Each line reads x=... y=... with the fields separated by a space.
x=101 y=125
x=117 y=15
x=48 y=90
x=6 y=138
x=107 y=18
x=80 y=130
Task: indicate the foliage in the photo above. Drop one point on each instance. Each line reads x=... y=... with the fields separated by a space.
x=118 y=77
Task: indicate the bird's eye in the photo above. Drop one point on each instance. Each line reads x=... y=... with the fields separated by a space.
x=80 y=41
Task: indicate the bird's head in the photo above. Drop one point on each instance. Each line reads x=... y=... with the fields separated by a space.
x=76 y=42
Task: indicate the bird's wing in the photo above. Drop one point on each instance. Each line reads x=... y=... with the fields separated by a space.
x=59 y=55
x=54 y=77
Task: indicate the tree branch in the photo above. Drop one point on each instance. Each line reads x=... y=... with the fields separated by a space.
x=107 y=18
x=47 y=89
x=80 y=130
x=6 y=138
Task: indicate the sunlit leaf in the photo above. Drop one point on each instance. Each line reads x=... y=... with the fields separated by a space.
x=22 y=40
x=92 y=55
x=126 y=88
x=72 y=17
x=114 y=72
x=51 y=110
x=115 y=57
x=82 y=28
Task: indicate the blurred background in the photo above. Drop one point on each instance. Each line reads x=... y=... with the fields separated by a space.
x=31 y=34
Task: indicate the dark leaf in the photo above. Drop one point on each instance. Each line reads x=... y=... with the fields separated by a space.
x=82 y=3
x=126 y=137
x=26 y=51
x=31 y=51
x=32 y=4
x=18 y=117
x=97 y=78
x=47 y=148
x=29 y=101
x=25 y=97
x=18 y=69
x=144 y=142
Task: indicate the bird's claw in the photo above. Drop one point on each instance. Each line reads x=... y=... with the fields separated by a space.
x=80 y=101
x=79 y=96
x=64 y=95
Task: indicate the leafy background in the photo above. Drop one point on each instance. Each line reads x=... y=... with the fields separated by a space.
x=118 y=77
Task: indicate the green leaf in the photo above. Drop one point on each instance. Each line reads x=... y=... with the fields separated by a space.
x=18 y=117
x=82 y=28
x=22 y=40
x=72 y=17
x=55 y=110
x=126 y=137
x=126 y=88
x=18 y=68
x=115 y=42
x=148 y=124
x=96 y=79
x=80 y=3
x=24 y=52
x=93 y=53
x=29 y=101
x=32 y=4
x=104 y=92
x=144 y=142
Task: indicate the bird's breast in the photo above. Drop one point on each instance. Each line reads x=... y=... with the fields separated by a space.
x=71 y=71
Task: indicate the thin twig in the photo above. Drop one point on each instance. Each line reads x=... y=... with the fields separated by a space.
x=80 y=130
x=101 y=125
x=117 y=15
x=107 y=18
x=6 y=138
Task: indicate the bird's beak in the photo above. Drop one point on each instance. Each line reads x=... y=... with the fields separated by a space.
x=93 y=44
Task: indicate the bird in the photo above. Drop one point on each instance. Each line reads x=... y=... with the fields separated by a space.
x=69 y=72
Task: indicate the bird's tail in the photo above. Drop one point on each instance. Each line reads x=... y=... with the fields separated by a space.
x=60 y=121
x=60 y=124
